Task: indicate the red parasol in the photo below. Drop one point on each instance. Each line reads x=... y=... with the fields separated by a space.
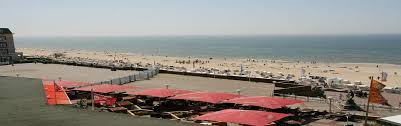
x=161 y=93
x=55 y=94
x=244 y=117
x=262 y=101
x=210 y=97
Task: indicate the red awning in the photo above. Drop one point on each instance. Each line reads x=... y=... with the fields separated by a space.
x=244 y=117
x=262 y=101
x=105 y=88
x=55 y=94
x=161 y=93
x=210 y=97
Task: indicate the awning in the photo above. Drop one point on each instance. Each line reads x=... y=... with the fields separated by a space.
x=210 y=97
x=244 y=117
x=55 y=94
x=262 y=101
x=105 y=88
x=161 y=93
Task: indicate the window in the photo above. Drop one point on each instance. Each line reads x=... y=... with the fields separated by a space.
x=3 y=45
x=4 y=59
x=4 y=51
x=3 y=38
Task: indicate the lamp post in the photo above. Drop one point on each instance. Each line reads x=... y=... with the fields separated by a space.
x=330 y=99
x=167 y=86
x=93 y=99
x=347 y=116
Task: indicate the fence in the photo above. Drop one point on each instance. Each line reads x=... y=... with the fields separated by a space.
x=141 y=75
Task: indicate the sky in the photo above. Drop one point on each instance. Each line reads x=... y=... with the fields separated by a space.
x=200 y=17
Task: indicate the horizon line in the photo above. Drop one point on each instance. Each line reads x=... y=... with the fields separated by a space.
x=211 y=35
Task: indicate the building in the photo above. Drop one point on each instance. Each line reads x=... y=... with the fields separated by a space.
x=7 y=48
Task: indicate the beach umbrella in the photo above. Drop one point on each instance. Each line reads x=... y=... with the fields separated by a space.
x=209 y=97
x=263 y=101
x=243 y=117
x=161 y=93
x=105 y=88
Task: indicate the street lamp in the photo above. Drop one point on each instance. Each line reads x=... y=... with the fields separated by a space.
x=330 y=99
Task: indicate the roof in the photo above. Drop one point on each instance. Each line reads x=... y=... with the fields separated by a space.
x=244 y=117
x=25 y=98
x=395 y=120
x=5 y=31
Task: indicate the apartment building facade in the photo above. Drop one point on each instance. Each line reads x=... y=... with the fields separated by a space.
x=7 y=47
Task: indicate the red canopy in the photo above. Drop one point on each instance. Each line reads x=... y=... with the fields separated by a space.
x=68 y=84
x=262 y=101
x=244 y=117
x=55 y=94
x=161 y=93
x=105 y=88
x=210 y=97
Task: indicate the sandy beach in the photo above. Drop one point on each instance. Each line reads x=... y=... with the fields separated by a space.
x=347 y=71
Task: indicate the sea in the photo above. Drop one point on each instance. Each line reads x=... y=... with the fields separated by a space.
x=322 y=48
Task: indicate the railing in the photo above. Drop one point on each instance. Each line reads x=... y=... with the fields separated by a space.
x=141 y=75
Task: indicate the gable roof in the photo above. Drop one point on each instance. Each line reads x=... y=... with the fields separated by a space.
x=5 y=31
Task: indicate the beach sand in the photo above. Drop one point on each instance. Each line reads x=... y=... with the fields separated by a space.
x=347 y=71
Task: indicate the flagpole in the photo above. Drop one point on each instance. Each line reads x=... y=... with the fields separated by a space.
x=93 y=101
x=55 y=92
x=367 y=107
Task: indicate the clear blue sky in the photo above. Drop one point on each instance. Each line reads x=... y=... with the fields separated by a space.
x=199 y=17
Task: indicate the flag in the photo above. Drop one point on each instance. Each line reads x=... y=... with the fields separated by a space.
x=375 y=93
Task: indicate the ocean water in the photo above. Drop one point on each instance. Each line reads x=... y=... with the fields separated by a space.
x=343 y=49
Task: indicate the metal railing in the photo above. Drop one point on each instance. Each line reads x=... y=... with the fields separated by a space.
x=141 y=75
